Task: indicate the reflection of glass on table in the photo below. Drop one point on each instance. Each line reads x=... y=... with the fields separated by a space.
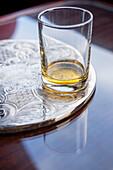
x=61 y=141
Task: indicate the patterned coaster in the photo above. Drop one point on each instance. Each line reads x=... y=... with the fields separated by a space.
x=24 y=105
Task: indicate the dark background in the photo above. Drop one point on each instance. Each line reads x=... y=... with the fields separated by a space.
x=10 y=6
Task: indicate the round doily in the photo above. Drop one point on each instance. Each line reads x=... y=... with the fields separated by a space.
x=24 y=105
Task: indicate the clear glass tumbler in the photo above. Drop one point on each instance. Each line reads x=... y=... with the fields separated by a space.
x=65 y=44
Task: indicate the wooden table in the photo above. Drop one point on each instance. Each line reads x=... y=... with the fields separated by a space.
x=84 y=142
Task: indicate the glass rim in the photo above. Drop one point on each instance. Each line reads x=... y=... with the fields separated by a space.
x=65 y=26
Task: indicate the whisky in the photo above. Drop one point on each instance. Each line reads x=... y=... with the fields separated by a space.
x=68 y=73
x=64 y=72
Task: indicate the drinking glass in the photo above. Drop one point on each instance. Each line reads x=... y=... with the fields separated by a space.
x=65 y=44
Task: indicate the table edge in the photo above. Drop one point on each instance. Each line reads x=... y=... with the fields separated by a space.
x=36 y=9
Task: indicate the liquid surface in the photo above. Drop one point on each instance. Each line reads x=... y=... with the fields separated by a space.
x=65 y=72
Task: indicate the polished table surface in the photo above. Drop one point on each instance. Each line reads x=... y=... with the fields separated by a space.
x=84 y=141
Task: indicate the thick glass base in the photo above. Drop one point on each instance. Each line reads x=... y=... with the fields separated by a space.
x=68 y=88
